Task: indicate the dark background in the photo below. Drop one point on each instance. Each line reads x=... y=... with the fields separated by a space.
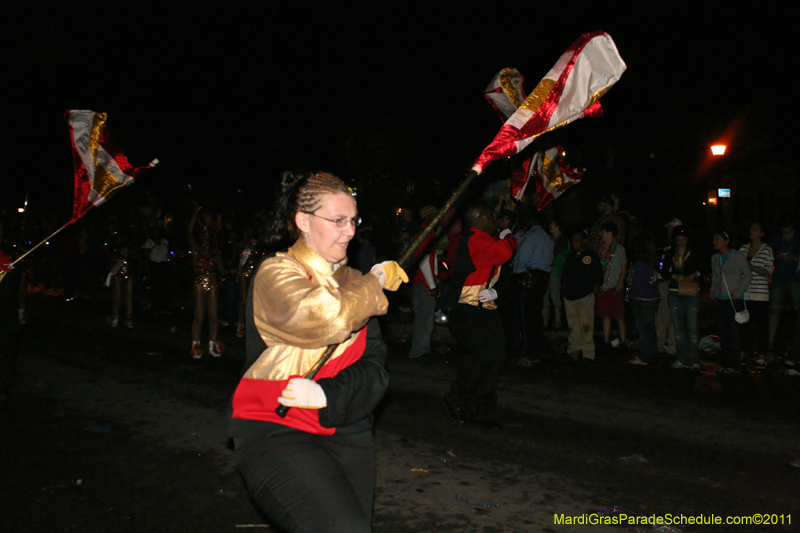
x=389 y=95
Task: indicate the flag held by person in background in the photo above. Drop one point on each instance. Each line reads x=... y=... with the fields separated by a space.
x=101 y=169
x=571 y=90
x=552 y=176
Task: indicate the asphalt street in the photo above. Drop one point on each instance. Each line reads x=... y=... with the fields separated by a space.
x=120 y=430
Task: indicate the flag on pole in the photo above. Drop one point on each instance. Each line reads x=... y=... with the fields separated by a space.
x=505 y=92
x=571 y=90
x=101 y=169
x=552 y=176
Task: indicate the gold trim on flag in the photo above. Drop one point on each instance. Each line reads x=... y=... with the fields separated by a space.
x=539 y=95
x=509 y=87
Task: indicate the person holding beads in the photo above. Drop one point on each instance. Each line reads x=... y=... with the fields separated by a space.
x=314 y=469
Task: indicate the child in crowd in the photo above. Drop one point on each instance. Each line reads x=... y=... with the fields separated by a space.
x=580 y=280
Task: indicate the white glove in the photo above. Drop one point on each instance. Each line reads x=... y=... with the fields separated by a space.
x=303 y=393
x=487 y=295
x=505 y=233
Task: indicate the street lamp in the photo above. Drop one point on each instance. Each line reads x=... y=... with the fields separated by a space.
x=718 y=210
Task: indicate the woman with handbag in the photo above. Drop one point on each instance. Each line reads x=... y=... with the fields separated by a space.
x=760 y=258
x=683 y=270
x=730 y=276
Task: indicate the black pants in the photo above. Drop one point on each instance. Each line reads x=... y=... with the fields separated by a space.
x=756 y=332
x=526 y=299
x=307 y=482
x=533 y=320
x=479 y=333
x=729 y=337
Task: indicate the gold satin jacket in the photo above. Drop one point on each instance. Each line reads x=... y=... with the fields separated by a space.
x=300 y=306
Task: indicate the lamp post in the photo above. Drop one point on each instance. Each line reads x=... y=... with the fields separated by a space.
x=716 y=209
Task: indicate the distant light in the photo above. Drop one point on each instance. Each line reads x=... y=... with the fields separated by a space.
x=718 y=149
x=20 y=210
x=712 y=201
x=723 y=193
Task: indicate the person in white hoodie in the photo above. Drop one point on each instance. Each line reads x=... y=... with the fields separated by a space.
x=730 y=277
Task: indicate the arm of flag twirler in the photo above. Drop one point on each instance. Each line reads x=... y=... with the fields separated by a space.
x=570 y=91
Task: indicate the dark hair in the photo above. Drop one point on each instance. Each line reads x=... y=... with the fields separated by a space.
x=644 y=247
x=301 y=191
x=760 y=225
x=577 y=231
x=611 y=228
x=475 y=210
x=786 y=221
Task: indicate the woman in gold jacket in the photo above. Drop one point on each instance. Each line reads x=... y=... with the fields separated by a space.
x=314 y=469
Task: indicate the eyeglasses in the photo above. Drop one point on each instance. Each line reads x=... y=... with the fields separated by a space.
x=340 y=222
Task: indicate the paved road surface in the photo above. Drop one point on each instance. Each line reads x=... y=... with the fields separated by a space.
x=120 y=430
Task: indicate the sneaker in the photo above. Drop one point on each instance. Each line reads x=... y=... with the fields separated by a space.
x=637 y=361
x=197 y=351
x=405 y=309
x=526 y=362
x=722 y=370
x=223 y=323
x=240 y=332
x=760 y=364
x=215 y=348
x=695 y=366
x=439 y=317
x=789 y=362
x=115 y=321
x=129 y=321
x=791 y=372
x=678 y=364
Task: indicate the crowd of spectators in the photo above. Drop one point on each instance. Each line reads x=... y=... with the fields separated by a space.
x=141 y=258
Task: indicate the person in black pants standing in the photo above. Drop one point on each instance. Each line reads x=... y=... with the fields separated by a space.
x=474 y=319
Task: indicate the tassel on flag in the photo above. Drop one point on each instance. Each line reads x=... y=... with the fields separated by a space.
x=101 y=169
x=554 y=176
x=571 y=90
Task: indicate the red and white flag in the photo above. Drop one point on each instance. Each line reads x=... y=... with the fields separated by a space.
x=552 y=176
x=101 y=169
x=505 y=92
x=571 y=90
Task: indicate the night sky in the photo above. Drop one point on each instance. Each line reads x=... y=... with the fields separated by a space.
x=230 y=94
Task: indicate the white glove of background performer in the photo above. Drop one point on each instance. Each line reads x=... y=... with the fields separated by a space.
x=487 y=295
x=303 y=393
x=505 y=233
